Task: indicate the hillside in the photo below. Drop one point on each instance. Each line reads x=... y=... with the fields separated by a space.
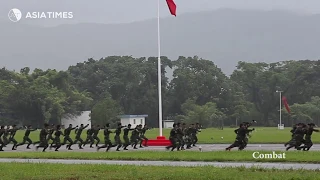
x=224 y=36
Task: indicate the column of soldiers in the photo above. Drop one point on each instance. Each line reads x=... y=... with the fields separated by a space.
x=243 y=135
x=53 y=133
x=183 y=137
x=301 y=137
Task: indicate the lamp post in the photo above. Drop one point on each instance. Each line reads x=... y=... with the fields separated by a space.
x=280 y=105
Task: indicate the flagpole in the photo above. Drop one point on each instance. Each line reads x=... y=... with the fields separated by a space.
x=159 y=74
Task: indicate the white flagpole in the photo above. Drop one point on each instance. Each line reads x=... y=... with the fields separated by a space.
x=159 y=73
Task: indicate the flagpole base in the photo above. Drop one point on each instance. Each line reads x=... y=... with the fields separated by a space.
x=160 y=141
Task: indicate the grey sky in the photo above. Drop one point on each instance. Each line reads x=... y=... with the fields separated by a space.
x=119 y=11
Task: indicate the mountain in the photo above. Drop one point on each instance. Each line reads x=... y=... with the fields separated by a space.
x=224 y=36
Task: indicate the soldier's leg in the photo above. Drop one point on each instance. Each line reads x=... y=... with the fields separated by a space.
x=1 y=144
x=126 y=142
x=109 y=145
x=118 y=142
x=235 y=144
x=29 y=142
x=23 y=142
x=81 y=143
x=98 y=140
x=5 y=141
x=70 y=143
x=92 y=141
x=14 y=144
x=103 y=146
x=195 y=140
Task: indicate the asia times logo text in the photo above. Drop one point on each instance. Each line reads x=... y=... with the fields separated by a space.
x=16 y=15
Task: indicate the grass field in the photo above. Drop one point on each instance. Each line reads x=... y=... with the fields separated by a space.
x=208 y=136
x=221 y=156
x=11 y=171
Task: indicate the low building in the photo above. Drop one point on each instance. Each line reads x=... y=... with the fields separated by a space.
x=168 y=123
x=134 y=120
x=84 y=119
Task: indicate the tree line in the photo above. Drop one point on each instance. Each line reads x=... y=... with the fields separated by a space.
x=198 y=92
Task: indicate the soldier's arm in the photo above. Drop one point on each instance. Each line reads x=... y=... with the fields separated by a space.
x=85 y=126
x=316 y=130
x=33 y=129
x=236 y=131
x=74 y=128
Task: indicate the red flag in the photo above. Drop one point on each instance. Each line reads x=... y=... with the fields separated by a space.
x=285 y=102
x=172 y=7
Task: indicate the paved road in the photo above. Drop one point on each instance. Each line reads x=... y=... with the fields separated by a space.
x=169 y=163
x=205 y=147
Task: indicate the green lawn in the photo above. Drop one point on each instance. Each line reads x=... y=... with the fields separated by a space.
x=208 y=136
x=11 y=171
x=221 y=156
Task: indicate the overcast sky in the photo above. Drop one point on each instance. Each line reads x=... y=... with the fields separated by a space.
x=119 y=11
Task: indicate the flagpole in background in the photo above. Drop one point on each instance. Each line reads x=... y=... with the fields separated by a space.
x=161 y=140
x=159 y=74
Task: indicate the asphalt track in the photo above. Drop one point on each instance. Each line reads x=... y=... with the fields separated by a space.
x=204 y=147
x=169 y=163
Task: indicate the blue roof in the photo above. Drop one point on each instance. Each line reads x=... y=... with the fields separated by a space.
x=133 y=116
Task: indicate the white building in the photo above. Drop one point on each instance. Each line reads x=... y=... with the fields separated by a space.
x=168 y=123
x=134 y=120
x=84 y=119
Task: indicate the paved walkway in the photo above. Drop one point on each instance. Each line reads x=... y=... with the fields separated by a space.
x=170 y=163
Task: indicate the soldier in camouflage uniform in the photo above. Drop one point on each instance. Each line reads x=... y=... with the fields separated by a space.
x=2 y=130
x=13 y=132
x=107 y=141
x=57 y=140
x=95 y=133
x=125 y=137
x=26 y=137
x=78 y=135
x=89 y=138
x=142 y=135
x=308 y=142
x=173 y=138
x=43 y=138
x=117 y=138
x=67 y=133
x=135 y=137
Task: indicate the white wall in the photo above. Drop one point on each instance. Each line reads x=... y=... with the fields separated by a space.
x=137 y=121
x=84 y=119
x=168 y=124
x=125 y=121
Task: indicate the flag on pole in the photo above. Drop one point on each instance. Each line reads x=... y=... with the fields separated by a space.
x=172 y=7
x=285 y=102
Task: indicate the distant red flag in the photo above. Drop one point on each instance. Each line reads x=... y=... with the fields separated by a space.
x=285 y=102
x=172 y=7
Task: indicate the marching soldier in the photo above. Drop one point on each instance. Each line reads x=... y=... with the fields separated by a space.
x=78 y=135
x=125 y=137
x=43 y=138
x=2 y=130
x=26 y=137
x=135 y=137
x=57 y=140
x=117 y=138
x=13 y=132
x=143 y=137
x=107 y=141
x=67 y=136
x=95 y=132
x=89 y=138
x=241 y=135
x=308 y=142
x=173 y=138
